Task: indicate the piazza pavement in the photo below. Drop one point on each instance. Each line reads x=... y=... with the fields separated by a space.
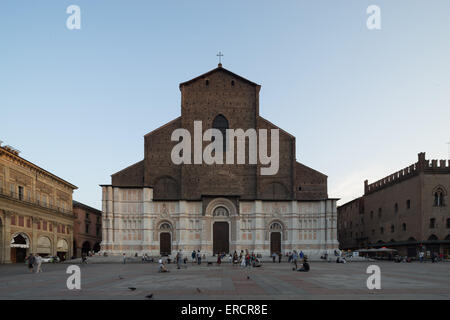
x=326 y=280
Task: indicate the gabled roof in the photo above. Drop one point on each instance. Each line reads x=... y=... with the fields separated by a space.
x=271 y=124
x=309 y=168
x=219 y=68
x=84 y=206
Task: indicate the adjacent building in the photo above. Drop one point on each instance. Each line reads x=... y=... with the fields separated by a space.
x=408 y=210
x=87 y=229
x=35 y=210
x=156 y=206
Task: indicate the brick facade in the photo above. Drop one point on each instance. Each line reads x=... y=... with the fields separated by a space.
x=87 y=229
x=189 y=192
x=397 y=211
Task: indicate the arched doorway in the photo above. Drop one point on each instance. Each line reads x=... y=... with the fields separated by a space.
x=165 y=239
x=75 y=249
x=86 y=247
x=221 y=231
x=19 y=245
x=96 y=247
x=44 y=247
x=62 y=249
x=412 y=249
x=275 y=237
x=433 y=245
x=447 y=247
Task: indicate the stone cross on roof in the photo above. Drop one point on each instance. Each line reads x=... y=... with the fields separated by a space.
x=220 y=55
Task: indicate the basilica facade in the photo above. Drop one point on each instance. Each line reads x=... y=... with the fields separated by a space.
x=156 y=206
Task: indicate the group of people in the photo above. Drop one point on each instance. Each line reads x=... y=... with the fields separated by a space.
x=294 y=258
x=180 y=260
x=34 y=263
x=435 y=257
x=197 y=257
x=276 y=255
x=245 y=259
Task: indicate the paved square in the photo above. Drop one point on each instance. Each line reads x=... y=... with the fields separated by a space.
x=272 y=281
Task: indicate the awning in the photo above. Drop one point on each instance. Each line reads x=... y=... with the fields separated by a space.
x=44 y=245
x=376 y=250
x=15 y=245
x=62 y=246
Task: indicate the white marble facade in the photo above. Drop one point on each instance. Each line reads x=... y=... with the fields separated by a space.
x=133 y=223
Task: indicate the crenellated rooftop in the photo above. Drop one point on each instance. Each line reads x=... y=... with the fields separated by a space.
x=422 y=165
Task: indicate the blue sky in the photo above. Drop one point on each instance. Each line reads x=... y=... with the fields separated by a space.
x=362 y=103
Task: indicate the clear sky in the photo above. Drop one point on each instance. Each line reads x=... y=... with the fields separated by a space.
x=361 y=103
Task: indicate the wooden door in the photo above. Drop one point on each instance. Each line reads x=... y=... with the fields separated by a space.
x=221 y=241
x=275 y=242
x=165 y=247
x=13 y=255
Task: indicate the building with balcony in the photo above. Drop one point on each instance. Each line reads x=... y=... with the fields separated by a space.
x=36 y=213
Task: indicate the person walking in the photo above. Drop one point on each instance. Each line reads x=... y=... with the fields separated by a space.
x=279 y=257
x=421 y=254
x=38 y=263
x=179 y=259
x=219 y=260
x=295 y=259
x=243 y=262
x=433 y=257
x=193 y=256
x=83 y=258
x=30 y=260
x=235 y=258
x=274 y=256
x=199 y=257
x=124 y=257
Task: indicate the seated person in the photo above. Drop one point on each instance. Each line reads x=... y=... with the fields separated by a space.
x=257 y=263
x=162 y=266
x=305 y=266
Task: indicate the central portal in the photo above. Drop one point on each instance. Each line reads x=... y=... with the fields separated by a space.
x=221 y=237
x=164 y=244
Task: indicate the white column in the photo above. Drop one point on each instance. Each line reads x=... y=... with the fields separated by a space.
x=258 y=225
x=147 y=205
x=294 y=224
